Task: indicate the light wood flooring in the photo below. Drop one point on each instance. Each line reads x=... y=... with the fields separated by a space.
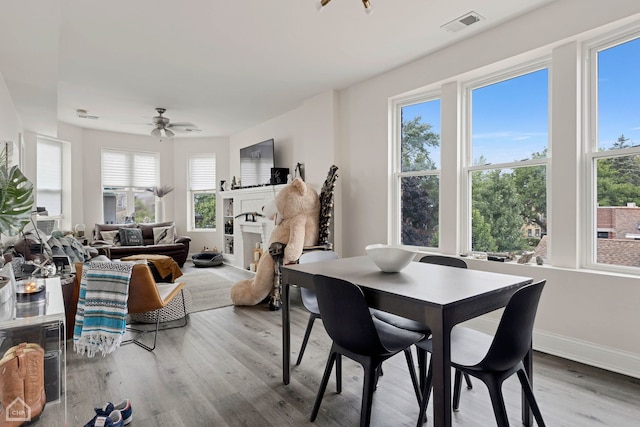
x=224 y=369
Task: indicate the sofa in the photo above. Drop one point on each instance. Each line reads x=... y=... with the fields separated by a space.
x=122 y=240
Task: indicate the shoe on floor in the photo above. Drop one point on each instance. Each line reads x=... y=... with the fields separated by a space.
x=124 y=407
x=113 y=420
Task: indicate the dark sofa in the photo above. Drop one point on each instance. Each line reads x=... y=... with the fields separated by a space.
x=178 y=250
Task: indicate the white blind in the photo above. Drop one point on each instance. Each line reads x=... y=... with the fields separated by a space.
x=202 y=172
x=49 y=171
x=127 y=169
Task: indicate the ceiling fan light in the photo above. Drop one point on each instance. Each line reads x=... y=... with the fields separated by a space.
x=156 y=132
x=367 y=7
x=169 y=133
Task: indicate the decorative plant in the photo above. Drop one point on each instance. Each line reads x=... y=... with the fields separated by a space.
x=16 y=198
x=160 y=191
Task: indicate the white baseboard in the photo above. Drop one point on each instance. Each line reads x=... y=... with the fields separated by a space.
x=585 y=352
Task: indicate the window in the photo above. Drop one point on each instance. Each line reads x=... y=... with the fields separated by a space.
x=416 y=186
x=49 y=176
x=506 y=165
x=202 y=191
x=127 y=178
x=614 y=152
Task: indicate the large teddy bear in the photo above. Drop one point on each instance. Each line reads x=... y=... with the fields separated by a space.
x=298 y=211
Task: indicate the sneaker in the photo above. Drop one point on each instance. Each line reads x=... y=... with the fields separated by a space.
x=105 y=411
x=113 y=420
x=124 y=407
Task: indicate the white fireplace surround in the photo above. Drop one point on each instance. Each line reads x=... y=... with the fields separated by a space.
x=247 y=233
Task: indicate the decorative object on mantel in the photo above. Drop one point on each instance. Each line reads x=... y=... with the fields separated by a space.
x=160 y=192
x=223 y=185
x=298 y=206
x=249 y=216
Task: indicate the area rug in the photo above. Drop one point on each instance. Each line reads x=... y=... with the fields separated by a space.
x=208 y=288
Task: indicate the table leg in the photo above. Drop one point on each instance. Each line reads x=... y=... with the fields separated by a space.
x=286 y=334
x=441 y=362
x=528 y=367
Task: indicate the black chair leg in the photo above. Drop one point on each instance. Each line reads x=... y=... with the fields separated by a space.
x=426 y=392
x=338 y=373
x=422 y=365
x=307 y=333
x=497 y=401
x=457 y=386
x=468 y=381
x=370 y=379
x=528 y=392
x=323 y=385
x=412 y=373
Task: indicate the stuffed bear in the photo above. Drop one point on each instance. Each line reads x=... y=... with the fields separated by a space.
x=298 y=211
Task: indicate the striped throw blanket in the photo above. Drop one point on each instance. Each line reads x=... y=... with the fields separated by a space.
x=101 y=317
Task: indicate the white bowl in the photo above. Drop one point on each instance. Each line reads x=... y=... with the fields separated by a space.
x=390 y=258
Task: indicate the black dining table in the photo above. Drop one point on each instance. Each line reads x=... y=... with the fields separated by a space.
x=439 y=296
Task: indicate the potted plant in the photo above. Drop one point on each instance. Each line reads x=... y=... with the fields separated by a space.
x=160 y=192
x=16 y=204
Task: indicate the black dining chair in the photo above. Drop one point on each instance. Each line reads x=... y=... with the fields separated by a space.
x=359 y=336
x=493 y=359
x=308 y=296
x=412 y=325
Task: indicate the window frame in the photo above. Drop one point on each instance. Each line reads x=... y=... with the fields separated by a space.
x=127 y=187
x=396 y=174
x=191 y=193
x=592 y=152
x=467 y=167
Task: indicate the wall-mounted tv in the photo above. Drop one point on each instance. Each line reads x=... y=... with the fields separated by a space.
x=256 y=162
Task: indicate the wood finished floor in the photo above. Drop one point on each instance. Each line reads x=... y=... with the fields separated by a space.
x=224 y=369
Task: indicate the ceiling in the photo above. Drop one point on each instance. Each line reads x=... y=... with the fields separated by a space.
x=221 y=65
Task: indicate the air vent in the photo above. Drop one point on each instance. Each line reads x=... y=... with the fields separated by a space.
x=462 y=22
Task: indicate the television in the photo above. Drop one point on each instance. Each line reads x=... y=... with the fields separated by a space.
x=256 y=162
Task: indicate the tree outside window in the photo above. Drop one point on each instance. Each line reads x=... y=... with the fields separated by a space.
x=508 y=142
x=418 y=177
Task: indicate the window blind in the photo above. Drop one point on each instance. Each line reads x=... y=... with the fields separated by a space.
x=126 y=169
x=49 y=173
x=202 y=172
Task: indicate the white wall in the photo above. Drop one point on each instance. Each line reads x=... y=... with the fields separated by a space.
x=584 y=315
x=305 y=135
x=10 y=125
x=86 y=146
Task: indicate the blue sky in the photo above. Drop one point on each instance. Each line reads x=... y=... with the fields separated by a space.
x=510 y=118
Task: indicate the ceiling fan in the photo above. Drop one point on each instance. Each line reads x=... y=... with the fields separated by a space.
x=164 y=128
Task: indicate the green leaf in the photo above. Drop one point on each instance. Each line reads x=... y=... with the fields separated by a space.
x=16 y=200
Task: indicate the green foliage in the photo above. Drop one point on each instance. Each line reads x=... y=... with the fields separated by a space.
x=420 y=199
x=142 y=211
x=204 y=206
x=417 y=137
x=420 y=194
x=495 y=197
x=619 y=178
x=16 y=199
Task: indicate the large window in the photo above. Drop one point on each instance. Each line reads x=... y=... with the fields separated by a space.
x=127 y=180
x=49 y=171
x=614 y=152
x=416 y=189
x=202 y=191
x=506 y=163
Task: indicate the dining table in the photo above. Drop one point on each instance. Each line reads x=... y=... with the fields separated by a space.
x=436 y=295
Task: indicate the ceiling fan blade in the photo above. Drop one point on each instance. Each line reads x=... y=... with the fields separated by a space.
x=182 y=125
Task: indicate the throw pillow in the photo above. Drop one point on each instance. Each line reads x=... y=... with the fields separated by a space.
x=131 y=237
x=164 y=235
x=111 y=237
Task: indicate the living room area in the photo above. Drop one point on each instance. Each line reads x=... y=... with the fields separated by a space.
x=225 y=367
